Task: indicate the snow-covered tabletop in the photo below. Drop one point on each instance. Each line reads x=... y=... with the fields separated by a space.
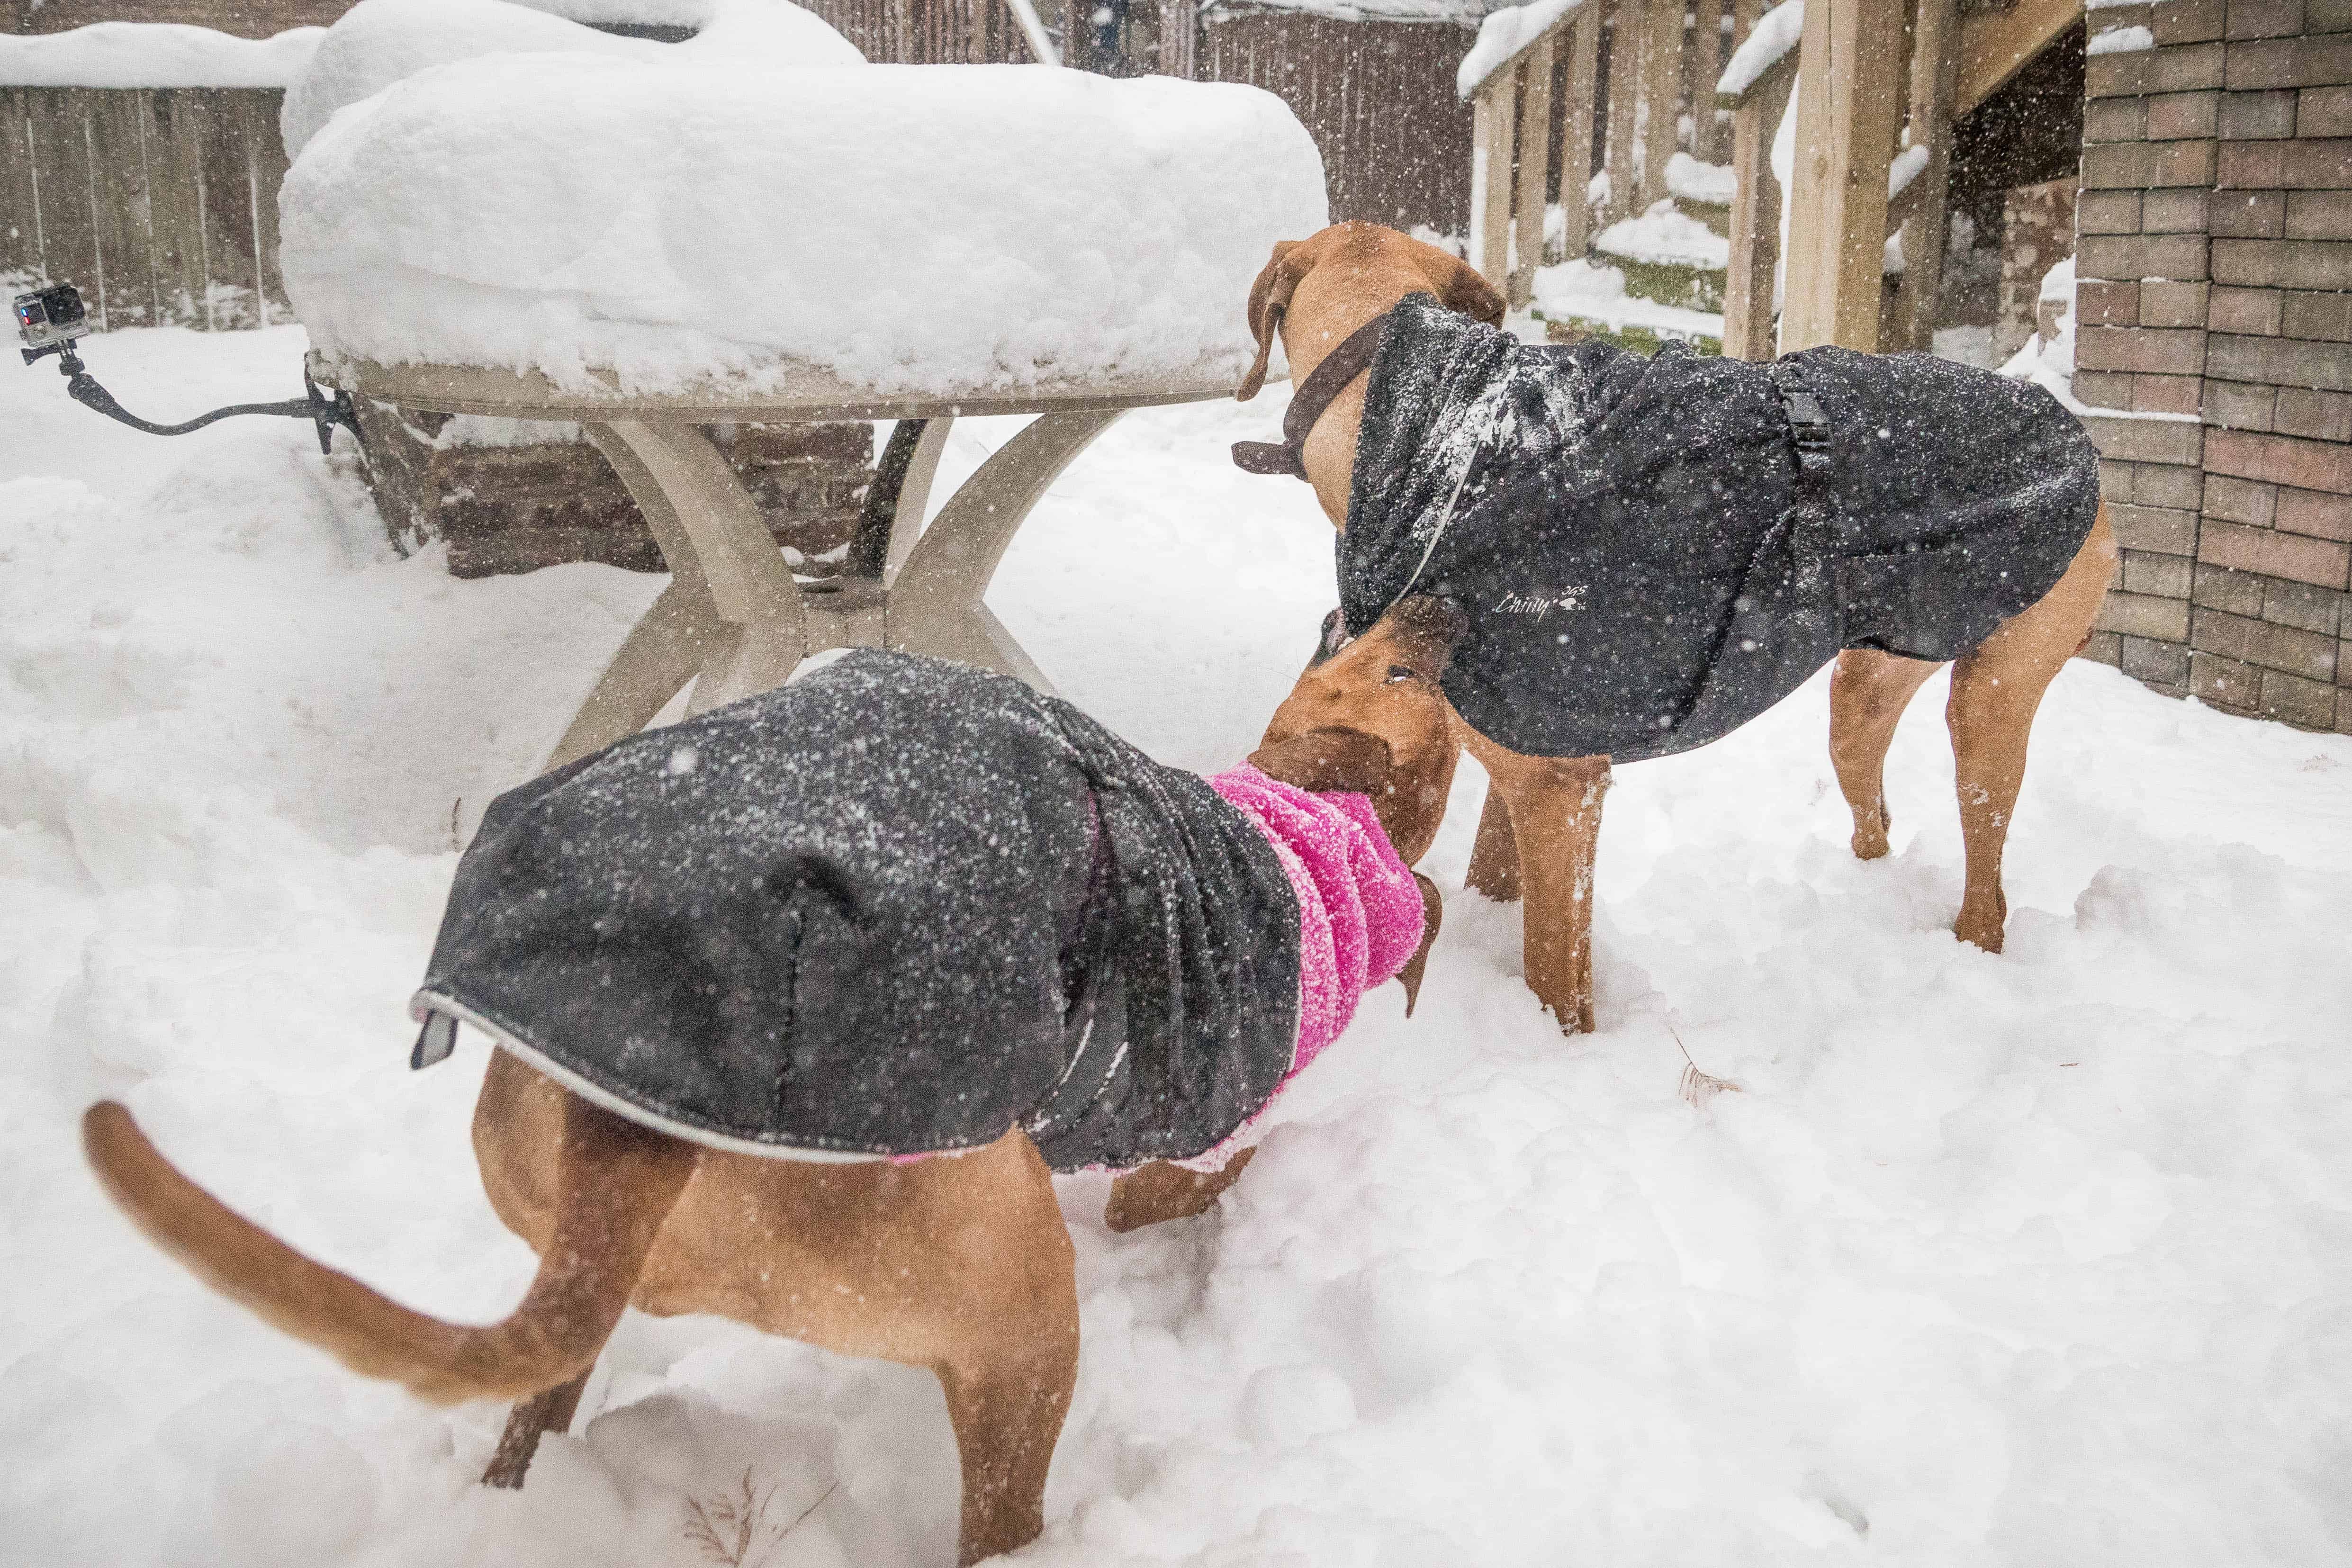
x=621 y=216
x=493 y=209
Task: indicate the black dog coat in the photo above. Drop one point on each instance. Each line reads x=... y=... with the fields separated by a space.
x=896 y=907
x=1646 y=565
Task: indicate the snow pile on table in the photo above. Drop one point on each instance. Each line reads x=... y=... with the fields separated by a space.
x=378 y=42
x=669 y=219
x=154 y=54
x=1503 y=33
x=1999 y=1261
x=1666 y=234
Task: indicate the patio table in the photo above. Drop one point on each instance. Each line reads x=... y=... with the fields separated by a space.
x=734 y=619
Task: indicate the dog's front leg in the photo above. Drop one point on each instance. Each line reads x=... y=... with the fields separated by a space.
x=1159 y=1191
x=1554 y=806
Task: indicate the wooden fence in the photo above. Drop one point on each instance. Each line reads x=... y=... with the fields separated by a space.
x=927 y=32
x=1376 y=96
x=161 y=203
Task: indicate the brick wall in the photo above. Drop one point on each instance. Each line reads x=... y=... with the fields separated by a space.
x=2214 y=300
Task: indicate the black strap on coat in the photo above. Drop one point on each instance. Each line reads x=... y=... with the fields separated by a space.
x=1809 y=434
x=1342 y=365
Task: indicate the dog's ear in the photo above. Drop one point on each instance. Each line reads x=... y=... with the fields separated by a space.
x=1427 y=629
x=1326 y=759
x=1471 y=295
x=1269 y=296
x=1333 y=638
x=1433 y=915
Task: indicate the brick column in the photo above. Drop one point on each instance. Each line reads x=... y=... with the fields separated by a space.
x=2274 y=547
x=2214 y=260
x=2141 y=269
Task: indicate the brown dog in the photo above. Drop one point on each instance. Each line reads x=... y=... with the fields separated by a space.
x=960 y=1264
x=1542 y=816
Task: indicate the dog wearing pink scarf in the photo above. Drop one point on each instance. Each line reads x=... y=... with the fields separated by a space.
x=1348 y=812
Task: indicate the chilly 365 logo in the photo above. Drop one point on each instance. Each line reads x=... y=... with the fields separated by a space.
x=1519 y=603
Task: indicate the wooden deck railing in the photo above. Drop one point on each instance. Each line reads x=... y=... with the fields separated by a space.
x=1875 y=135
x=1598 y=89
x=1875 y=139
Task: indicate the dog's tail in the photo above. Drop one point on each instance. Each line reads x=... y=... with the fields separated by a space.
x=618 y=1183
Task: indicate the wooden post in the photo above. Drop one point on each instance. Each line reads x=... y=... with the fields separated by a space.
x=1935 y=67
x=1755 y=216
x=1660 y=87
x=1576 y=136
x=1490 y=176
x=1534 y=146
x=1180 y=22
x=20 y=232
x=1625 y=105
x=1995 y=44
x=175 y=157
x=68 y=224
x=1847 y=68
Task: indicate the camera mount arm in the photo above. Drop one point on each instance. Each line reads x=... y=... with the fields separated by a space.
x=49 y=320
x=323 y=411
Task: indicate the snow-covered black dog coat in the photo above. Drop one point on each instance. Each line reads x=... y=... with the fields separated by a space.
x=1646 y=561
x=896 y=907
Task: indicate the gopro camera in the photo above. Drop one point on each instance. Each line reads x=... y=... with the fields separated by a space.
x=50 y=318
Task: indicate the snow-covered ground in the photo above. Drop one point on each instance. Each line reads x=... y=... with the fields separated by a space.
x=2044 y=1259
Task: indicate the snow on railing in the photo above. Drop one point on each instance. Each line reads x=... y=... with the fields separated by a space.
x=1773 y=38
x=1501 y=36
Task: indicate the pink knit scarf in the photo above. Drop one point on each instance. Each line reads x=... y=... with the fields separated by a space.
x=1360 y=912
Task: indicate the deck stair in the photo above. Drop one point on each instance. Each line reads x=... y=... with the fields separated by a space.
x=1671 y=228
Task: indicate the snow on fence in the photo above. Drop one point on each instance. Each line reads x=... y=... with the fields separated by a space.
x=141 y=164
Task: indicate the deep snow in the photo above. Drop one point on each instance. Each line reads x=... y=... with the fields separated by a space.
x=2037 y=1258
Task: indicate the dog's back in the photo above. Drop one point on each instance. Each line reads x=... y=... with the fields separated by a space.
x=1645 y=565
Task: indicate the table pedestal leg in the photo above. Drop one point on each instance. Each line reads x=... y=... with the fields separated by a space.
x=662 y=652
x=915 y=489
x=935 y=599
x=732 y=620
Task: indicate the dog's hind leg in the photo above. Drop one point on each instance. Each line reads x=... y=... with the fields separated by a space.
x=1495 y=857
x=1555 y=813
x=549 y=1410
x=1868 y=691
x=1996 y=690
x=1009 y=1357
